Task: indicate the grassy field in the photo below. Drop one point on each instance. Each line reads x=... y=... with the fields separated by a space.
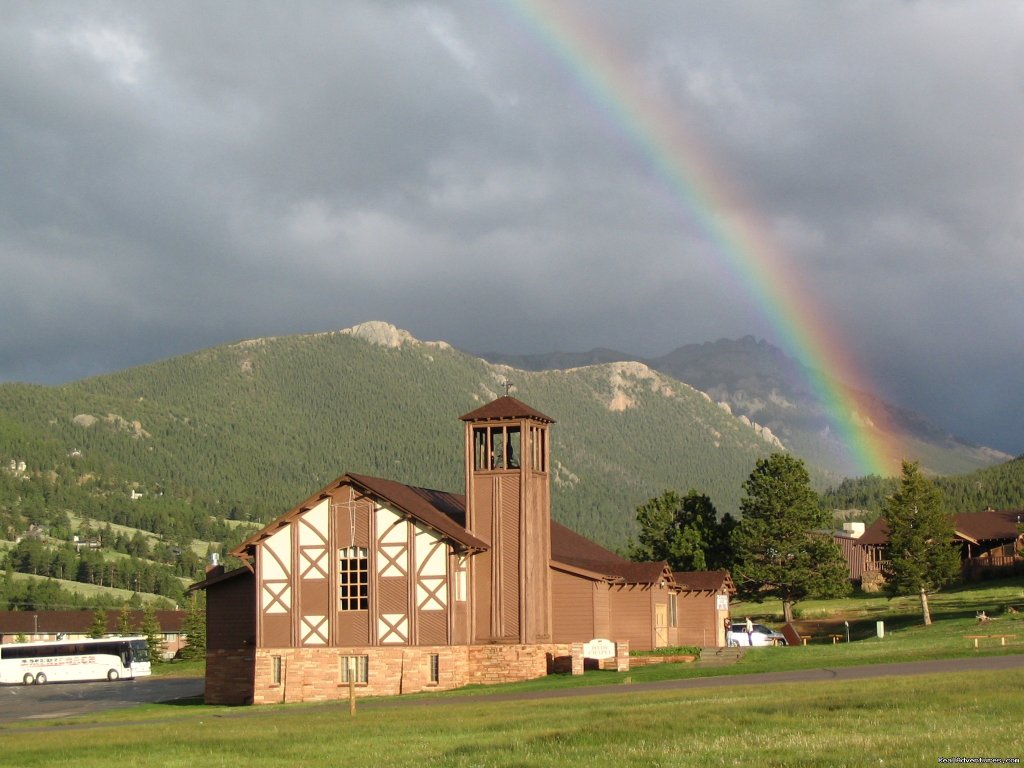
x=884 y=722
x=91 y=590
x=900 y=722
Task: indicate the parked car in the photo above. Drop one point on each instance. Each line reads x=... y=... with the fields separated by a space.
x=761 y=635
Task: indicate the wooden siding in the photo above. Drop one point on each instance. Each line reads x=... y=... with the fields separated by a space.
x=510 y=548
x=602 y=611
x=699 y=621
x=573 y=607
x=231 y=613
x=632 y=616
x=853 y=553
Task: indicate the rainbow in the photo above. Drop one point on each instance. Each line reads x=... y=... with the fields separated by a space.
x=739 y=236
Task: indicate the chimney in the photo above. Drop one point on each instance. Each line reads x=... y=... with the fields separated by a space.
x=214 y=568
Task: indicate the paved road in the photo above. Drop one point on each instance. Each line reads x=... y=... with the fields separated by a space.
x=54 y=700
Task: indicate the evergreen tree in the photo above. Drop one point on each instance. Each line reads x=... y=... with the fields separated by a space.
x=98 y=628
x=124 y=621
x=922 y=555
x=782 y=545
x=194 y=626
x=154 y=635
x=685 y=531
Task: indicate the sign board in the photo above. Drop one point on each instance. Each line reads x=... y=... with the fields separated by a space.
x=599 y=649
x=721 y=602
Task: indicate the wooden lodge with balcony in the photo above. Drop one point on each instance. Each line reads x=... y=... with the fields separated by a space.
x=991 y=542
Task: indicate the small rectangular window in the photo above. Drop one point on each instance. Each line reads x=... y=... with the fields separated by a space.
x=673 y=614
x=359 y=664
x=275 y=671
x=481 y=451
x=537 y=453
x=435 y=668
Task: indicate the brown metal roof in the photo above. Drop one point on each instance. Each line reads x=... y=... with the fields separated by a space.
x=78 y=622
x=569 y=548
x=987 y=525
x=506 y=408
x=990 y=524
x=876 y=534
x=704 y=581
x=443 y=511
x=217 y=575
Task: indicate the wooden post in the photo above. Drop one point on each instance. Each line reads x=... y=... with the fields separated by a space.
x=352 y=687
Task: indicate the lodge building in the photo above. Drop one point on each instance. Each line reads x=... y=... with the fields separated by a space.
x=407 y=589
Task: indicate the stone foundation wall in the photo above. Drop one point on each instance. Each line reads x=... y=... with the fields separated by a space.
x=315 y=674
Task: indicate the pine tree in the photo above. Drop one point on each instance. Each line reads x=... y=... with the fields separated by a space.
x=98 y=628
x=124 y=621
x=154 y=635
x=922 y=555
x=782 y=546
x=194 y=626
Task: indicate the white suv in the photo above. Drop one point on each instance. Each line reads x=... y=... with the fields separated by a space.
x=761 y=635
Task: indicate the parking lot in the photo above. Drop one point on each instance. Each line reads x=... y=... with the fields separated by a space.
x=54 y=700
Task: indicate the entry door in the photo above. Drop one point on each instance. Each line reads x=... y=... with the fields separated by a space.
x=660 y=625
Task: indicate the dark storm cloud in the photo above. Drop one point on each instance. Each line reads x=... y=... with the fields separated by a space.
x=174 y=176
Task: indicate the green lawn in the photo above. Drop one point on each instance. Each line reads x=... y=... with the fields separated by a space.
x=994 y=596
x=902 y=722
x=885 y=722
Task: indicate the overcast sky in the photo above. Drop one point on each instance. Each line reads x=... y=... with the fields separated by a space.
x=179 y=175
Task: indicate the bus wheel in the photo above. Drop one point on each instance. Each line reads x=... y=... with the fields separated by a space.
x=112 y=675
x=28 y=679
x=40 y=679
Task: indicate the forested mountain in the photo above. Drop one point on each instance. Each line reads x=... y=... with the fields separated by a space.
x=192 y=447
x=245 y=430
x=999 y=487
x=759 y=381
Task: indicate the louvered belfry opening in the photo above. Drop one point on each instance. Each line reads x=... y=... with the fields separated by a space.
x=508 y=505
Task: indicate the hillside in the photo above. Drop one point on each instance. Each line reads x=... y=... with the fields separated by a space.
x=760 y=382
x=244 y=430
x=999 y=487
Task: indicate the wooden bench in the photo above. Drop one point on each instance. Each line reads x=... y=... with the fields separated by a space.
x=836 y=638
x=976 y=638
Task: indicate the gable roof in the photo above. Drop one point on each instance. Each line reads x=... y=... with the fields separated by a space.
x=506 y=408
x=705 y=581
x=443 y=511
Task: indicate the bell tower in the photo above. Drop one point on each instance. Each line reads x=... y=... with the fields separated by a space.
x=508 y=503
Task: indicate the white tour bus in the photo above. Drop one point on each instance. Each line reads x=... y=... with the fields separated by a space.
x=108 y=658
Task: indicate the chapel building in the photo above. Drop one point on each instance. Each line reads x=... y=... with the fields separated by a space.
x=403 y=589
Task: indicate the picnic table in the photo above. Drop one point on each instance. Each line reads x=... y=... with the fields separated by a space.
x=1002 y=638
